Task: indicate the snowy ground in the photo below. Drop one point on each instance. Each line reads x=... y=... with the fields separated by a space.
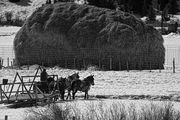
x=109 y=83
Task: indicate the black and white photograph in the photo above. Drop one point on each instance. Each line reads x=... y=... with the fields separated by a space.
x=89 y=59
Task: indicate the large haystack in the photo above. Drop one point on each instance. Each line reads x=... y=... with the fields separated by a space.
x=74 y=35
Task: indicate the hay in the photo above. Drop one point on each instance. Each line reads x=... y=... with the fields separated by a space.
x=64 y=33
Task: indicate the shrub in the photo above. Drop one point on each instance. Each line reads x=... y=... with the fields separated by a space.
x=8 y=16
x=100 y=111
x=54 y=112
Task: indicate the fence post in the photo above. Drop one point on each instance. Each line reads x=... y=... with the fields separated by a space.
x=22 y=86
x=36 y=94
x=8 y=62
x=65 y=63
x=11 y=64
x=74 y=62
x=14 y=62
x=159 y=68
x=119 y=65
x=84 y=65
x=99 y=63
x=174 y=65
x=6 y=117
x=150 y=66
x=110 y=63
x=1 y=93
x=2 y=62
x=140 y=65
x=127 y=65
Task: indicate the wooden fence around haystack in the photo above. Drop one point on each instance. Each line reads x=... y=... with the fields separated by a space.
x=172 y=59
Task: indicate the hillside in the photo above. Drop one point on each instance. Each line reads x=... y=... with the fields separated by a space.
x=21 y=9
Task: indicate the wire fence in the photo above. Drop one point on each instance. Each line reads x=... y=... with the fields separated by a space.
x=172 y=56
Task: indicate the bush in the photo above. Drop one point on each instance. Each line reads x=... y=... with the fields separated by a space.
x=9 y=19
x=53 y=112
x=8 y=16
x=100 y=111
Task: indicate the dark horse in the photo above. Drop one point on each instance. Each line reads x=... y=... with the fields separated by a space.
x=68 y=83
x=58 y=87
x=44 y=86
x=63 y=84
x=82 y=85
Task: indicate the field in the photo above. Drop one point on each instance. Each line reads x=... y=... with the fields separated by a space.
x=133 y=88
x=138 y=87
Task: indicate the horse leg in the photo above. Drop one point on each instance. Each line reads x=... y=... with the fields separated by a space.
x=62 y=94
x=74 y=92
x=87 y=96
x=69 y=95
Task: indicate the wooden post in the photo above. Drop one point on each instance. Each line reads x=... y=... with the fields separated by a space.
x=1 y=93
x=8 y=62
x=17 y=92
x=2 y=62
x=84 y=64
x=119 y=65
x=65 y=63
x=127 y=65
x=14 y=62
x=140 y=64
x=36 y=96
x=6 y=117
x=12 y=86
x=11 y=64
x=110 y=63
x=159 y=68
x=99 y=63
x=22 y=86
x=74 y=63
x=174 y=65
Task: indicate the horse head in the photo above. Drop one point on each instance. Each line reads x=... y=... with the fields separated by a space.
x=90 y=79
x=74 y=76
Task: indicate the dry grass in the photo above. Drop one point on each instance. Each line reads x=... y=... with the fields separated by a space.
x=100 y=111
x=61 y=29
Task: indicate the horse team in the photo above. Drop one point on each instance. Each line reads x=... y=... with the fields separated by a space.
x=71 y=84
